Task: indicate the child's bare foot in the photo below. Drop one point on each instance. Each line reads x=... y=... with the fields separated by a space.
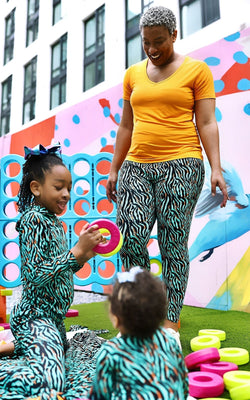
x=6 y=349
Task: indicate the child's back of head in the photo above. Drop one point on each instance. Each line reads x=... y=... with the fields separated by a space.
x=139 y=302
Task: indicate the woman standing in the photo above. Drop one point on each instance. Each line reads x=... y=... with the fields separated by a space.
x=158 y=149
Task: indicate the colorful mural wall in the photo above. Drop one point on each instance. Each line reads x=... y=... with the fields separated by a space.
x=219 y=239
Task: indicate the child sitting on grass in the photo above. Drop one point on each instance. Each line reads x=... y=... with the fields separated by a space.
x=145 y=362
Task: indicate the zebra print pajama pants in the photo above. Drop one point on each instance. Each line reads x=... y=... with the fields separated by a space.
x=166 y=192
x=41 y=370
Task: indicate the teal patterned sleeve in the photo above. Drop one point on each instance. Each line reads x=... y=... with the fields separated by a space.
x=104 y=376
x=43 y=249
x=174 y=351
x=183 y=372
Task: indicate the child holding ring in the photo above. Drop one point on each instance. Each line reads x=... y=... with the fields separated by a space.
x=47 y=268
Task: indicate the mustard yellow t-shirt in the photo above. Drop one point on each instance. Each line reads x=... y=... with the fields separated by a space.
x=163 y=112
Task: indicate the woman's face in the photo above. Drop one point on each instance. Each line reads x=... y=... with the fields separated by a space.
x=158 y=44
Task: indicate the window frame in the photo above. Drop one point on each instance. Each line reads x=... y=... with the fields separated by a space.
x=204 y=13
x=131 y=32
x=56 y=3
x=6 y=111
x=29 y=95
x=9 y=38
x=98 y=55
x=61 y=78
x=32 y=23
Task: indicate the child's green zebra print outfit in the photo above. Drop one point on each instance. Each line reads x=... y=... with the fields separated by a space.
x=47 y=268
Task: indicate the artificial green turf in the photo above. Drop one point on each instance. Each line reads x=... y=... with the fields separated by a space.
x=236 y=325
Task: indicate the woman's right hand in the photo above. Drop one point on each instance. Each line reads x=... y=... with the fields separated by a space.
x=122 y=145
x=111 y=187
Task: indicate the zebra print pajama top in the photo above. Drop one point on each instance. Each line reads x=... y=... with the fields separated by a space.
x=129 y=368
x=47 y=268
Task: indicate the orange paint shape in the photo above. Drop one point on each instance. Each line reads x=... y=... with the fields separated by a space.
x=233 y=76
x=103 y=167
x=84 y=272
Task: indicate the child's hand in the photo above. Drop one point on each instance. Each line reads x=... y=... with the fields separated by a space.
x=88 y=239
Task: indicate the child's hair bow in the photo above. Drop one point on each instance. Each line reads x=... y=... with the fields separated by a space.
x=128 y=276
x=41 y=150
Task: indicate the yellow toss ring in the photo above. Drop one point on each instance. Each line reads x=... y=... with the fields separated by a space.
x=241 y=392
x=216 y=332
x=118 y=247
x=6 y=292
x=204 y=341
x=236 y=378
x=234 y=354
x=157 y=262
x=104 y=230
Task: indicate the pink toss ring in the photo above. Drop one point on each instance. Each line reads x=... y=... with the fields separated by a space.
x=209 y=355
x=115 y=237
x=205 y=384
x=236 y=378
x=241 y=392
x=220 y=367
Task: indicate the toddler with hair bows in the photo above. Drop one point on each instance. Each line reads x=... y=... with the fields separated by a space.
x=145 y=362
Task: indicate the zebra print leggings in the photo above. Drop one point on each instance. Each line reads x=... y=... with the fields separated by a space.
x=41 y=371
x=165 y=192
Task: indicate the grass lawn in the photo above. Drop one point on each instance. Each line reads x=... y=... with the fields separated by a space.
x=236 y=325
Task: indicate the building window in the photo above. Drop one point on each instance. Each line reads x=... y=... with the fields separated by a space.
x=6 y=106
x=196 y=14
x=94 y=40
x=32 y=21
x=134 y=49
x=29 y=96
x=56 y=11
x=9 y=36
x=58 y=72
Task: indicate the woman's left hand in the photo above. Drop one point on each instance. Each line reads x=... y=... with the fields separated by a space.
x=218 y=180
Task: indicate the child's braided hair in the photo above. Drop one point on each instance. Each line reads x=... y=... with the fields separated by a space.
x=35 y=168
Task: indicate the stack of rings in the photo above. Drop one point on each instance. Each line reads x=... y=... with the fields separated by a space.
x=111 y=246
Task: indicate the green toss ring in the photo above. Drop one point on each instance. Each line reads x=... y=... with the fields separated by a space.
x=204 y=341
x=240 y=392
x=236 y=378
x=234 y=354
x=216 y=332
